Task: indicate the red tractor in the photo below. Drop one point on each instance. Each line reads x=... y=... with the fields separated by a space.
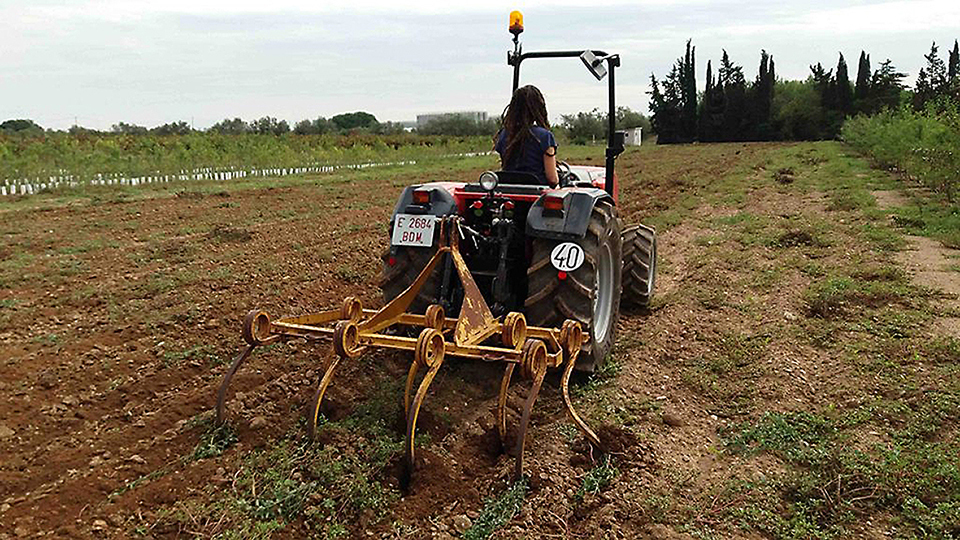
x=552 y=254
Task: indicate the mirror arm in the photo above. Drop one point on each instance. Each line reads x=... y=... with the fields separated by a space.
x=614 y=146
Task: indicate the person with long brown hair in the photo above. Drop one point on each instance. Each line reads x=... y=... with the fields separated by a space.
x=524 y=141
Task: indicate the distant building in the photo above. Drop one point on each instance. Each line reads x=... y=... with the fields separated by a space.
x=476 y=116
x=634 y=135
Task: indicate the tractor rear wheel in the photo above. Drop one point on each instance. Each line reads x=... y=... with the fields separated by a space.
x=407 y=264
x=639 y=265
x=589 y=294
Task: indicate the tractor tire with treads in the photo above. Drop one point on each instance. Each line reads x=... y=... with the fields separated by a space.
x=639 y=265
x=395 y=279
x=590 y=294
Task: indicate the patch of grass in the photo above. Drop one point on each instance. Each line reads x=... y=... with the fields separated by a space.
x=934 y=219
x=728 y=372
x=96 y=244
x=497 y=512
x=603 y=375
x=350 y=274
x=803 y=237
x=597 y=479
x=203 y=353
x=942 y=349
x=737 y=219
x=882 y=238
x=813 y=269
x=333 y=493
x=569 y=432
x=841 y=296
x=708 y=240
x=832 y=478
x=227 y=234
x=711 y=297
x=793 y=436
x=153 y=475
x=163 y=282
x=215 y=441
x=850 y=198
x=47 y=339
x=657 y=507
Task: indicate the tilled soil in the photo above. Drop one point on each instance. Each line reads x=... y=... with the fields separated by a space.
x=121 y=316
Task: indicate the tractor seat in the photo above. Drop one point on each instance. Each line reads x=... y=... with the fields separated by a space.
x=519 y=177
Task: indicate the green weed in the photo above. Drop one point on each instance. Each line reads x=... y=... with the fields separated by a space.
x=603 y=375
x=497 y=512
x=215 y=441
x=840 y=296
x=597 y=479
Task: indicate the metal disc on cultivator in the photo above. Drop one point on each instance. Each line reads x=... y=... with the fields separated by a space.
x=475 y=334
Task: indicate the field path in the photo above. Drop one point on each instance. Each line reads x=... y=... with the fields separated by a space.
x=929 y=262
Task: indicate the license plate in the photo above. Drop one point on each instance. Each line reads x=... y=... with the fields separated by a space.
x=413 y=230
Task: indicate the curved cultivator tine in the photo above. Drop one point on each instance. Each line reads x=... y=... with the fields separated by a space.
x=502 y=406
x=570 y=336
x=533 y=366
x=222 y=392
x=429 y=354
x=346 y=343
x=314 y=415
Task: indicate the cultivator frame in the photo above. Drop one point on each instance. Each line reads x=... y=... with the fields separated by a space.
x=353 y=329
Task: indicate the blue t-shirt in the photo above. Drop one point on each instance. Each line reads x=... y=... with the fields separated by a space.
x=530 y=156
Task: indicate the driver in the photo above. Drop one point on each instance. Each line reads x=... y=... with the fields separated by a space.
x=524 y=141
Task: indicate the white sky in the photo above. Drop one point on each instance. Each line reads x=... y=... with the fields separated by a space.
x=150 y=62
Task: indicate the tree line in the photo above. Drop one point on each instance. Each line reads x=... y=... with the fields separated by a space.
x=731 y=108
x=345 y=123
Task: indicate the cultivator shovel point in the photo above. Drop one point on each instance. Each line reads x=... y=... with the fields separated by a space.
x=475 y=334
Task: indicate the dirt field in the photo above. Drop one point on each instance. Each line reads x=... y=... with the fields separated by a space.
x=796 y=377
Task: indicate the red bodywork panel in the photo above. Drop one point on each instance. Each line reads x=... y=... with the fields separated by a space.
x=596 y=176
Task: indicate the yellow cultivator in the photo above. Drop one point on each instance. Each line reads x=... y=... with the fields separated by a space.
x=475 y=334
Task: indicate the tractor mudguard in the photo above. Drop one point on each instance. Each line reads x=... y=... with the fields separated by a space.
x=572 y=223
x=441 y=204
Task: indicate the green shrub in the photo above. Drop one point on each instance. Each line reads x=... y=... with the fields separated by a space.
x=924 y=145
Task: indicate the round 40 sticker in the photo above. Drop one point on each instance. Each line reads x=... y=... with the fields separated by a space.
x=567 y=257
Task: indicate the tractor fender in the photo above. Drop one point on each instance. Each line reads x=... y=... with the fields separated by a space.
x=572 y=223
x=441 y=204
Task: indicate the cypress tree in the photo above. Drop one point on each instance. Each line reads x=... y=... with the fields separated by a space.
x=885 y=87
x=843 y=88
x=953 y=68
x=771 y=89
x=823 y=81
x=665 y=107
x=773 y=76
x=703 y=117
x=862 y=90
x=689 y=95
x=762 y=99
x=735 y=113
x=932 y=81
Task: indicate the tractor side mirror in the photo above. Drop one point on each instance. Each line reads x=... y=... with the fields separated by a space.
x=594 y=64
x=619 y=138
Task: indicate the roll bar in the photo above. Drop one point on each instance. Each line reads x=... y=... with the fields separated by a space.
x=615 y=139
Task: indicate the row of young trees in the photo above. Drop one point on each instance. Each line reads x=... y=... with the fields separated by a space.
x=268 y=125
x=732 y=109
x=589 y=127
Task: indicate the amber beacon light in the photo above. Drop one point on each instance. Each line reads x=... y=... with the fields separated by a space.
x=516 y=23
